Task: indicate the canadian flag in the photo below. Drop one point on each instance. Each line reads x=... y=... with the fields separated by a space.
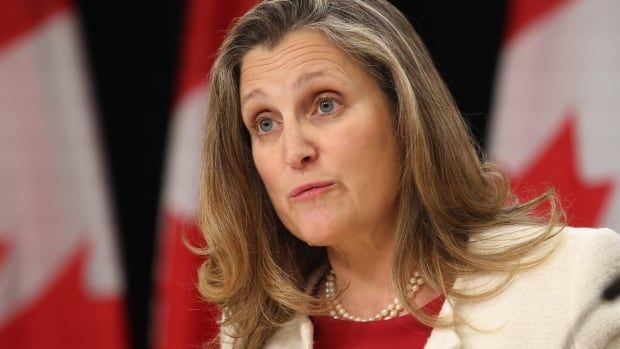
x=182 y=319
x=556 y=117
x=60 y=284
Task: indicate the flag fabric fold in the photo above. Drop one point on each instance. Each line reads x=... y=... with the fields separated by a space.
x=181 y=318
x=60 y=282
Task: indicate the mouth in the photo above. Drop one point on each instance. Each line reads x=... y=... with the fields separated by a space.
x=310 y=190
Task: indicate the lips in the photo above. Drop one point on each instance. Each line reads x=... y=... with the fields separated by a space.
x=310 y=189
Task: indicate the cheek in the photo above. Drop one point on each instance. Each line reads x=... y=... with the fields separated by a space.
x=364 y=146
x=370 y=155
x=262 y=166
x=268 y=172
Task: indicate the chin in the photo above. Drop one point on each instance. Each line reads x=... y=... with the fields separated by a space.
x=319 y=235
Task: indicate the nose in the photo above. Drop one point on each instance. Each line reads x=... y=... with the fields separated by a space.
x=299 y=149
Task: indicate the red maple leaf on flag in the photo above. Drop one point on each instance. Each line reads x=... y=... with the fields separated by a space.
x=558 y=166
x=67 y=316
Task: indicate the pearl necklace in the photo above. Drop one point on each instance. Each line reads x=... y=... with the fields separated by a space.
x=391 y=311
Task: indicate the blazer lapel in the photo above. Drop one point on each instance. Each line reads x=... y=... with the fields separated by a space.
x=297 y=334
x=444 y=337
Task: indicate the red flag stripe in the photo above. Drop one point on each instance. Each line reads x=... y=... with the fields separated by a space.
x=205 y=27
x=184 y=319
x=525 y=12
x=19 y=16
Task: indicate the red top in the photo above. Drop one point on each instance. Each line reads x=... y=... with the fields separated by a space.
x=400 y=332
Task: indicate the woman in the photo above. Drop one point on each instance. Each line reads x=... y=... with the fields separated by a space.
x=345 y=205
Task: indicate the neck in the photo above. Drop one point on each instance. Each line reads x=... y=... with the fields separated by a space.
x=363 y=269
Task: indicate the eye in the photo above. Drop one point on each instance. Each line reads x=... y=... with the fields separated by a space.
x=265 y=125
x=327 y=105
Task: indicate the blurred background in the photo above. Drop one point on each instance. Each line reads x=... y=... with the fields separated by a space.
x=100 y=114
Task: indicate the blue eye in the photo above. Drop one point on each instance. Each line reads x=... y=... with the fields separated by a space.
x=326 y=106
x=265 y=125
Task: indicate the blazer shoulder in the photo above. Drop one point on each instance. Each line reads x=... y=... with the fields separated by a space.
x=595 y=262
x=585 y=233
x=591 y=244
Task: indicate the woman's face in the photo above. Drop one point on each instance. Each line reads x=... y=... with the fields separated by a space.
x=322 y=140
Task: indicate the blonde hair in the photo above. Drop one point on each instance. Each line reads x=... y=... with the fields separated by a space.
x=257 y=271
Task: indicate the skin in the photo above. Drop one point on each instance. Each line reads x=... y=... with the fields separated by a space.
x=314 y=115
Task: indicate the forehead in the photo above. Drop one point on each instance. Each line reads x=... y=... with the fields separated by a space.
x=298 y=52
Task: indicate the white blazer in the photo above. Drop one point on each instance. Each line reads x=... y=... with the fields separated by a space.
x=536 y=310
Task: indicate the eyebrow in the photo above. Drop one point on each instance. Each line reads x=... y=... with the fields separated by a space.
x=303 y=79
